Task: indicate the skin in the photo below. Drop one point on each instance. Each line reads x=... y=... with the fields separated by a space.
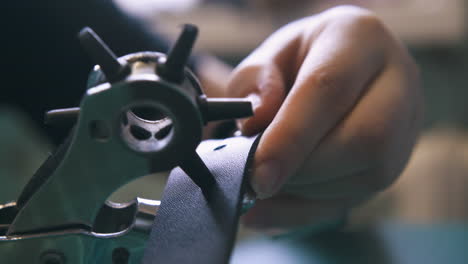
x=339 y=101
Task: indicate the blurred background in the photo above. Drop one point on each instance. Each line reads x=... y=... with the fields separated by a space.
x=434 y=30
x=434 y=187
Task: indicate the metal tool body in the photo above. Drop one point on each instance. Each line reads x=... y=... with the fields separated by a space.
x=142 y=113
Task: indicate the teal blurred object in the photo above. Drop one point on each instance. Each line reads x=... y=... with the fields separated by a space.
x=392 y=243
x=22 y=150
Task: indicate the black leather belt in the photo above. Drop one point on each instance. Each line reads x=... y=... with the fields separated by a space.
x=193 y=228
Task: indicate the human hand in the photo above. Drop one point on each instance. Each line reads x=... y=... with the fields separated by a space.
x=339 y=101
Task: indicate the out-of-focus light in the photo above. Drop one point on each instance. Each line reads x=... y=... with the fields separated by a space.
x=147 y=7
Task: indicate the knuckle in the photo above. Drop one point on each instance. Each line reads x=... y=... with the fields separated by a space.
x=246 y=70
x=368 y=23
x=359 y=19
x=255 y=77
x=328 y=84
x=242 y=79
x=324 y=78
x=333 y=85
x=348 y=10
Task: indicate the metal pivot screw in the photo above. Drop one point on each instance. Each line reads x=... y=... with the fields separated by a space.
x=52 y=257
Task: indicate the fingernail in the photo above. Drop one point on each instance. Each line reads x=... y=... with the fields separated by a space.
x=240 y=123
x=255 y=99
x=266 y=179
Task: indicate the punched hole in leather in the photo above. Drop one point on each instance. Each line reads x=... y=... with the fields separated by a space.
x=193 y=228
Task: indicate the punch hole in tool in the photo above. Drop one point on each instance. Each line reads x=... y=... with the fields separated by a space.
x=146 y=128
